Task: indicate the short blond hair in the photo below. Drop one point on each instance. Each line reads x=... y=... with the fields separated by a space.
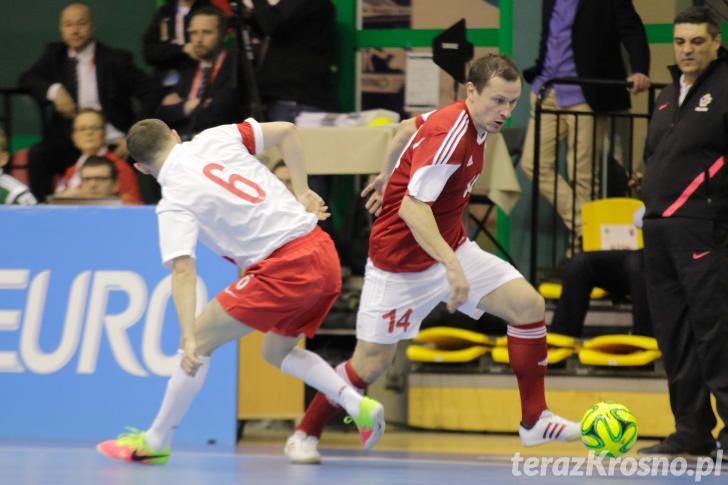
x=147 y=139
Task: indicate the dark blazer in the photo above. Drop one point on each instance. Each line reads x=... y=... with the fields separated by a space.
x=298 y=63
x=599 y=28
x=118 y=79
x=163 y=54
x=223 y=101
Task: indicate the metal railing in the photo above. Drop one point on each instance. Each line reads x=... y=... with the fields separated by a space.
x=598 y=183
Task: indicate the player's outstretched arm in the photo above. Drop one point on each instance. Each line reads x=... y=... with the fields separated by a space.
x=184 y=281
x=420 y=220
x=284 y=136
x=378 y=184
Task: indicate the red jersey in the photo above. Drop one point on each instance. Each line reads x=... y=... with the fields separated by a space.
x=439 y=166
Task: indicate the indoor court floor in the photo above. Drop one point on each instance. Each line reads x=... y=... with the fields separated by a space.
x=402 y=457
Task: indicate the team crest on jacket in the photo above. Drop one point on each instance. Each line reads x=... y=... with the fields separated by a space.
x=704 y=102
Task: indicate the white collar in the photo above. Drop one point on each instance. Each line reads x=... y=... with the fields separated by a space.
x=85 y=54
x=481 y=136
x=683 y=84
x=167 y=161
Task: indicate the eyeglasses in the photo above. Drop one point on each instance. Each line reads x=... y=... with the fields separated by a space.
x=96 y=179
x=89 y=128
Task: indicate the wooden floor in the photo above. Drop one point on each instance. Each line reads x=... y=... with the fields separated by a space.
x=403 y=457
x=412 y=441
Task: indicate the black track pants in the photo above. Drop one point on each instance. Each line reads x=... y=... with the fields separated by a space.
x=686 y=264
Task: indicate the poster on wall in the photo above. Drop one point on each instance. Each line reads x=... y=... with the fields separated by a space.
x=422 y=90
x=386 y=14
x=383 y=79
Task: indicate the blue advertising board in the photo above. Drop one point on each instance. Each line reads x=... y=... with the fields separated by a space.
x=88 y=330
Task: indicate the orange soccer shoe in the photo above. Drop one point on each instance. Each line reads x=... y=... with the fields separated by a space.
x=132 y=447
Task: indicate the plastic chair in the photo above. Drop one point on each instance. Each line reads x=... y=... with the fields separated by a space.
x=609 y=224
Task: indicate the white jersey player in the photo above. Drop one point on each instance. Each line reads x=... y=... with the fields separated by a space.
x=214 y=189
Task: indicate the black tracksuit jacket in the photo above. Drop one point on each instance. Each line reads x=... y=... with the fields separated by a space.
x=687 y=148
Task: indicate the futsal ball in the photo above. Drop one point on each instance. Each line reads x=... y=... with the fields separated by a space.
x=609 y=427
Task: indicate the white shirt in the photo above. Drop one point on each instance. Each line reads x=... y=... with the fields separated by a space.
x=88 y=92
x=684 y=89
x=213 y=187
x=179 y=24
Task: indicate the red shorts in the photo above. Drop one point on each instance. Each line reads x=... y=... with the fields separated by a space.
x=291 y=291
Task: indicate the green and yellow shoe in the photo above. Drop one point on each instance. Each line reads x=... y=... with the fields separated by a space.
x=370 y=422
x=132 y=447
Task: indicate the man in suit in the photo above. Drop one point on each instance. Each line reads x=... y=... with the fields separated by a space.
x=80 y=72
x=206 y=94
x=166 y=42
x=581 y=38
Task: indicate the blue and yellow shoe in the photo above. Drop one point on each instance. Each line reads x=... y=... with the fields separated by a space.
x=370 y=422
x=132 y=447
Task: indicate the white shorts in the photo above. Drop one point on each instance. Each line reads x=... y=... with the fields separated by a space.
x=393 y=305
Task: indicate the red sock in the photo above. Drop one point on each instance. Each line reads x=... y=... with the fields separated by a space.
x=528 y=354
x=318 y=413
x=321 y=410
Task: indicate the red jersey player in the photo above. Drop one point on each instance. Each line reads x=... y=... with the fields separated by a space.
x=419 y=255
x=215 y=189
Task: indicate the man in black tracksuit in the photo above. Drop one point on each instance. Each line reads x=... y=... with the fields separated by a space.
x=685 y=190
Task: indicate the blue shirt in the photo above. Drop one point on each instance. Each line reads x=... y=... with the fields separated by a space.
x=559 y=60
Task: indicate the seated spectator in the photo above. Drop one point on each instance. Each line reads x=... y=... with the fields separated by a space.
x=81 y=72
x=12 y=190
x=89 y=137
x=205 y=95
x=166 y=42
x=619 y=272
x=281 y=171
x=99 y=180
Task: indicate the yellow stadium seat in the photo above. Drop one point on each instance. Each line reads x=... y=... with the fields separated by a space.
x=621 y=343
x=419 y=353
x=451 y=337
x=609 y=224
x=552 y=291
x=604 y=359
x=619 y=351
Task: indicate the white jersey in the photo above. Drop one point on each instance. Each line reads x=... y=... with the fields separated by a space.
x=213 y=187
x=12 y=191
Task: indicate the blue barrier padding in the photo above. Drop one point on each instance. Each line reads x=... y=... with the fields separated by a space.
x=88 y=329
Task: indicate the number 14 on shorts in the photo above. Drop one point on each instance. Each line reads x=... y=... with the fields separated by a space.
x=403 y=321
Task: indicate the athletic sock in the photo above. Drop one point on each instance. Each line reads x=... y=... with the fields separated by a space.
x=322 y=409
x=181 y=390
x=314 y=371
x=528 y=355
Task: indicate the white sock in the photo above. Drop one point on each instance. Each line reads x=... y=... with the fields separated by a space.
x=341 y=370
x=181 y=390
x=314 y=371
